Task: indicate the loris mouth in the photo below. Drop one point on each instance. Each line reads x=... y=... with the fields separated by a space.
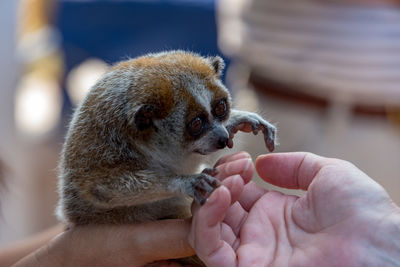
x=203 y=152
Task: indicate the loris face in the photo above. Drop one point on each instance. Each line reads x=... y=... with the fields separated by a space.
x=204 y=120
x=177 y=102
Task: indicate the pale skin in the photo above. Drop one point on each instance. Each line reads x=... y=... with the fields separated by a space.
x=344 y=219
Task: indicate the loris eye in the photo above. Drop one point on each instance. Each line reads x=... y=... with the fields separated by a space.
x=196 y=126
x=219 y=110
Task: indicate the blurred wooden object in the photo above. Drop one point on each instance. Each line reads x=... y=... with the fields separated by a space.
x=328 y=74
x=340 y=52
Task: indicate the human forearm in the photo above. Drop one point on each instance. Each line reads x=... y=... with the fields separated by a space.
x=114 y=245
x=384 y=246
x=11 y=254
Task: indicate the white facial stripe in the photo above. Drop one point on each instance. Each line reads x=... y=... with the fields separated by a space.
x=201 y=94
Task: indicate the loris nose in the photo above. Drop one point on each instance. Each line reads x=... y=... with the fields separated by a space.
x=222 y=142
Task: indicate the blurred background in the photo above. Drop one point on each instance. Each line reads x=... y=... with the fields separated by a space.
x=327 y=73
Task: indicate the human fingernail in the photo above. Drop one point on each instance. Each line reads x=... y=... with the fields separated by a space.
x=214 y=198
x=248 y=163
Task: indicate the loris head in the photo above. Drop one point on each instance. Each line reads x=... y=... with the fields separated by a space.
x=176 y=102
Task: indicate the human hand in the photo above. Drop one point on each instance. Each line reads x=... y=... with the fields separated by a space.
x=344 y=219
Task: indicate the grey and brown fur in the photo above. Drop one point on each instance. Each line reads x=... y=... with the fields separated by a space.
x=131 y=154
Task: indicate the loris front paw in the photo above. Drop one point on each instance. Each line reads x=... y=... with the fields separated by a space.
x=250 y=122
x=203 y=184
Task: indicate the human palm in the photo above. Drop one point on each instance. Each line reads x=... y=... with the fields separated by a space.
x=329 y=225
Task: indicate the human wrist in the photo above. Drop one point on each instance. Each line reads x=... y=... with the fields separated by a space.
x=382 y=247
x=68 y=249
x=51 y=254
x=92 y=246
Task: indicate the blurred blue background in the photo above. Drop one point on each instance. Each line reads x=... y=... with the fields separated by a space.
x=117 y=30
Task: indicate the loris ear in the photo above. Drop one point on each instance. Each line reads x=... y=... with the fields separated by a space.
x=217 y=64
x=144 y=116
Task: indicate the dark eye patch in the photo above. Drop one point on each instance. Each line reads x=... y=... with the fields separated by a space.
x=197 y=126
x=220 y=109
